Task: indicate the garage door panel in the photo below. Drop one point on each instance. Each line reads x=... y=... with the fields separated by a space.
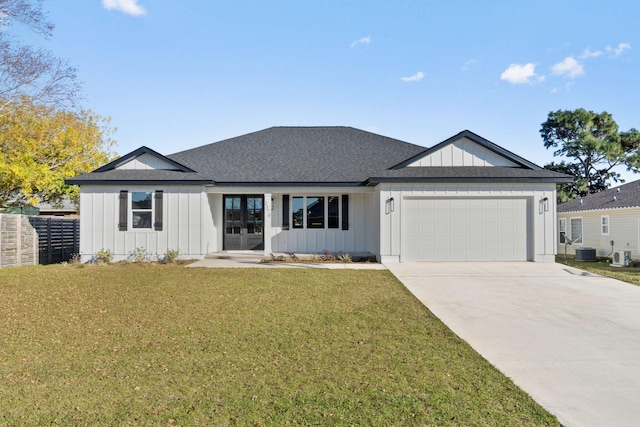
x=471 y=229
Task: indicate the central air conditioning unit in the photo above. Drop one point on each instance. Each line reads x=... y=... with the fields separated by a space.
x=621 y=258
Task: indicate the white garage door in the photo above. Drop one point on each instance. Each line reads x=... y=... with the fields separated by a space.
x=492 y=229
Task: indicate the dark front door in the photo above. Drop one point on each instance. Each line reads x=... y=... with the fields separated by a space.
x=243 y=222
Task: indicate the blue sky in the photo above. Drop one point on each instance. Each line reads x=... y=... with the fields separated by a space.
x=176 y=75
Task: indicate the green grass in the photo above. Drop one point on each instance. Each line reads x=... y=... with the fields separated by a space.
x=604 y=268
x=168 y=345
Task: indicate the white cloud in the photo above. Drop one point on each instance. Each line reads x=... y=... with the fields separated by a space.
x=518 y=74
x=470 y=63
x=130 y=7
x=415 y=78
x=569 y=67
x=590 y=54
x=617 y=51
x=363 y=40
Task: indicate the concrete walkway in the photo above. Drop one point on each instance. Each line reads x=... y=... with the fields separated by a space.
x=569 y=338
x=253 y=261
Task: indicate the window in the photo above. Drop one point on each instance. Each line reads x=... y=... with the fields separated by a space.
x=604 y=225
x=576 y=230
x=562 y=229
x=141 y=209
x=319 y=212
x=232 y=215
x=333 y=211
x=315 y=212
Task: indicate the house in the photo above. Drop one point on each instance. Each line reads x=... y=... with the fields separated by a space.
x=608 y=221
x=310 y=189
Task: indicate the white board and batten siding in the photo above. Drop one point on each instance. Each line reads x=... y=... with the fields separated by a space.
x=187 y=223
x=623 y=229
x=465 y=222
x=146 y=162
x=360 y=236
x=462 y=152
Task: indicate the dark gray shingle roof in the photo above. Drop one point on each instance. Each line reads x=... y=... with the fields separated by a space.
x=298 y=155
x=467 y=173
x=148 y=176
x=624 y=196
x=311 y=156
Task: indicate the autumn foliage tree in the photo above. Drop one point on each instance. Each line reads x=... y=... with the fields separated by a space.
x=592 y=148
x=40 y=146
x=44 y=138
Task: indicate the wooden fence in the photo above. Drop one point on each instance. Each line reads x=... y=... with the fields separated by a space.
x=29 y=240
x=58 y=238
x=18 y=241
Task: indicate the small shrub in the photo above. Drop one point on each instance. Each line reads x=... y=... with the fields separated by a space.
x=77 y=259
x=139 y=254
x=327 y=256
x=170 y=255
x=314 y=258
x=346 y=258
x=104 y=255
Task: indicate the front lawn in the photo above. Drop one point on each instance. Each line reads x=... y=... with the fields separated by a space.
x=604 y=268
x=168 y=345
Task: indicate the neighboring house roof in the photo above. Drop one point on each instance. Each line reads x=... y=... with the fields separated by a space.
x=310 y=156
x=624 y=196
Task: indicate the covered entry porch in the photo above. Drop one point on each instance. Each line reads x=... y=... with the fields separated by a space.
x=292 y=220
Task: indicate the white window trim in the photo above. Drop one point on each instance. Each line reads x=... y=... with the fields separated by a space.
x=562 y=228
x=131 y=210
x=326 y=211
x=602 y=225
x=581 y=242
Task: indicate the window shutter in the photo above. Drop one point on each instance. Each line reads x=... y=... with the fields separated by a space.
x=285 y=211
x=345 y=211
x=122 y=220
x=157 y=225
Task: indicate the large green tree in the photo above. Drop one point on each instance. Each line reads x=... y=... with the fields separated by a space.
x=592 y=149
x=40 y=146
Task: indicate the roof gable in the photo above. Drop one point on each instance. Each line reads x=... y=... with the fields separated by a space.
x=335 y=156
x=144 y=158
x=466 y=149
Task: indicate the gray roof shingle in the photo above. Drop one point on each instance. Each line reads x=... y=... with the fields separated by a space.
x=624 y=196
x=298 y=154
x=311 y=156
x=467 y=173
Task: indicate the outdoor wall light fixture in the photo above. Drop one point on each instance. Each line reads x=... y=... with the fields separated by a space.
x=544 y=205
x=391 y=205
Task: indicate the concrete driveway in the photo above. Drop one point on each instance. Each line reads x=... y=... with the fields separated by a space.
x=569 y=338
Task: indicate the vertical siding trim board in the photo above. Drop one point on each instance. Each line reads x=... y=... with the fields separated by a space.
x=124 y=198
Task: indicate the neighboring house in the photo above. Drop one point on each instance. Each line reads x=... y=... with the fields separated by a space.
x=598 y=219
x=310 y=189
x=66 y=208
